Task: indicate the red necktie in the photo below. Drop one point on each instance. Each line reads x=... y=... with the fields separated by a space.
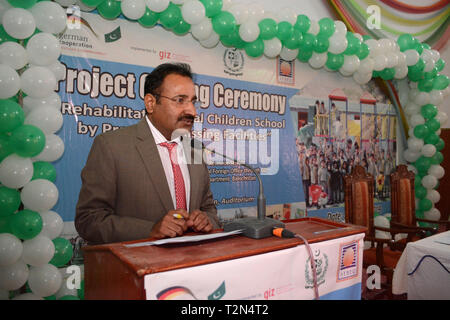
x=180 y=193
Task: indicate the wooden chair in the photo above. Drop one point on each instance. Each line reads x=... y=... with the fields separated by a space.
x=359 y=210
x=403 y=211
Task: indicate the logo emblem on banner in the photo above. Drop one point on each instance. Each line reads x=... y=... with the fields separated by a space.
x=321 y=261
x=113 y=35
x=348 y=261
x=285 y=71
x=233 y=61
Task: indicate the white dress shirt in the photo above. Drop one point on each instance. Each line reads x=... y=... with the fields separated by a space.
x=167 y=165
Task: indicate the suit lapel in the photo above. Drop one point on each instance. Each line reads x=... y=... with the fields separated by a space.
x=148 y=150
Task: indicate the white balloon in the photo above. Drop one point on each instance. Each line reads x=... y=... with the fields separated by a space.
x=38 y=82
x=422 y=98
x=441 y=117
x=429 y=182
x=18 y=23
x=52 y=100
x=212 y=41
x=193 y=12
x=436 y=97
x=412 y=168
x=415 y=144
x=27 y=296
x=401 y=72
x=39 y=195
x=429 y=65
x=428 y=150
x=249 y=31
x=10 y=249
x=362 y=78
x=338 y=44
x=401 y=58
x=158 y=5
x=13 y=55
x=240 y=13
x=43 y=49
x=65 y=291
x=433 y=195
x=47 y=118
x=437 y=171
x=343 y=72
x=52 y=224
x=44 y=280
x=341 y=28
x=392 y=59
x=9 y=81
x=13 y=276
x=66 y=3
x=15 y=171
x=412 y=57
x=4 y=6
x=366 y=66
x=374 y=47
x=227 y=4
x=203 y=30
x=381 y=221
x=314 y=27
x=49 y=16
x=177 y=1
x=380 y=62
x=4 y=294
x=436 y=55
x=287 y=14
x=58 y=69
x=432 y=214
x=53 y=150
x=133 y=9
x=38 y=251
x=416 y=119
x=84 y=7
x=272 y=47
x=288 y=54
x=412 y=108
x=386 y=45
x=411 y=156
x=351 y=64
x=255 y=12
x=318 y=60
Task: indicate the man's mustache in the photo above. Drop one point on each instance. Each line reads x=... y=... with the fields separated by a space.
x=186 y=117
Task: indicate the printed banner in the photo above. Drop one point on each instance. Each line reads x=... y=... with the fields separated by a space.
x=281 y=275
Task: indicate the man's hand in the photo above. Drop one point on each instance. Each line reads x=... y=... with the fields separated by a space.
x=170 y=226
x=199 y=221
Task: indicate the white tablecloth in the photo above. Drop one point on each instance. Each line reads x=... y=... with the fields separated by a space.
x=423 y=270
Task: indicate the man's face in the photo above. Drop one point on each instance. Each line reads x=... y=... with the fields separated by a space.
x=167 y=115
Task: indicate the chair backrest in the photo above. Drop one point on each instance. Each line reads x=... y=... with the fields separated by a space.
x=359 y=195
x=403 y=200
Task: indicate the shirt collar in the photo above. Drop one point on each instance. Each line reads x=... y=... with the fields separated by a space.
x=158 y=136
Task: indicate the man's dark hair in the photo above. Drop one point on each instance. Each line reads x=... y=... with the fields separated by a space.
x=154 y=80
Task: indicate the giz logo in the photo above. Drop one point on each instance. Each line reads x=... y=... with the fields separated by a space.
x=164 y=55
x=74 y=280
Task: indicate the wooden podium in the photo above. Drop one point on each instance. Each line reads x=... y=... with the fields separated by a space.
x=115 y=271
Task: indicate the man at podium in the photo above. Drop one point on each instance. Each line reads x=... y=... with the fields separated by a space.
x=136 y=182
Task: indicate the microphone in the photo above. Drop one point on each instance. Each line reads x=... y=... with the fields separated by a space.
x=256 y=228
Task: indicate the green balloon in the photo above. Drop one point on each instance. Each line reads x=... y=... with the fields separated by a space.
x=6 y=37
x=334 y=61
x=326 y=27
x=440 y=145
x=433 y=124
x=366 y=37
x=26 y=224
x=420 y=192
x=417 y=181
x=181 y=28
x=308 y=42
x=267 y=29
x=149 y=19
x=81 y=290
x=92 y=3
x=109 y=9
x=233 y=40
x=415 y=72
x=255 y=49
x=428 y=111
x=28 y=140
x=303 y=23
x=363 y=51
x=212 y=7
x=422 y=164
x=405 y=42
x=440 y=82
x=420 y=131
x=425 y=204
x=387 y=73
x=9 y=201
x=430 y=75
x=170 y=17
x=437 y=158
x=6 y=147
x=63 y=252
x=52 y=297
x=293 y=42
x=304 y=56
x=425 y=85
x=11 y=115
x=44 y=170
x=418 y=46
x=224 y=23
x=426 y=46
x=353 y=46
x=419 y=214
x=69 y=297
x=431 y=138
x=440 y=65
x=24 y=4
x=5 y=224
x=322 y=44
x=284 y=30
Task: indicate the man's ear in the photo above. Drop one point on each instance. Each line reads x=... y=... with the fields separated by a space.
x=149 y=101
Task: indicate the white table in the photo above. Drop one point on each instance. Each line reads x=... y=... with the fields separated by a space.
x=423 y=271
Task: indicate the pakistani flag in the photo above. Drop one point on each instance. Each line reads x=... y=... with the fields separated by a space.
x=218 y=293
x=113 y=35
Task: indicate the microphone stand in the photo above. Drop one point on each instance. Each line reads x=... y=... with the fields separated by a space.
x=256 y=228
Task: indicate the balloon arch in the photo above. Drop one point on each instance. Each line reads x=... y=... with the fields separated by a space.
x=30 y=247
